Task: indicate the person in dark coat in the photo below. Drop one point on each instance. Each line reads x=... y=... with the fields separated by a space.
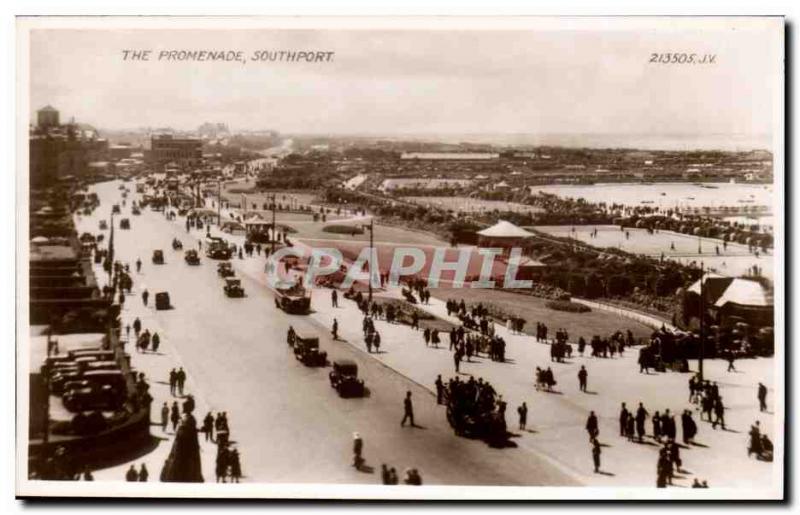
x=592 y=426
x=208 y=427
x=408 y=411
x=175 y=416
x=583 y=378
x=762 y=397
x=156 y=339
x=523 y=416
x=596 y=451
x=132 y=475
x=657 y=426
x=143 y=473
x=235 y=465
x=623 y=419
x=439 y=389
x=688 y=426
x=641 y=417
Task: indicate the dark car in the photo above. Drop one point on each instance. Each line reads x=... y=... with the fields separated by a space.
x=103 y=225
x=92 y=397
x=125 y=224
x=162 y=300
x=306 y=350
x=135 y=211
x=344 y=378
x=158 y=257
x=115 y=209
x=233 y=287
x=225 y=269
x=192 y=257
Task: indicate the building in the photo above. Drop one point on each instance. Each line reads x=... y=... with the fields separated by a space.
x=450 y=156
x=47 y=117
x=184 y=151
x=504 y=235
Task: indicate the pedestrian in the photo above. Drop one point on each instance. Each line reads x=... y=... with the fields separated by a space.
x=181 y=380
x=523 y=416
x=164 y=417
x=641 y=417
x=657 y=426
x=235 y=465
x=623 y=419
x=145 y=296
x=137 y=326
x=762 y=397
x=393 y=479
x=439 y=389
x=731 y=358
x=138 y=265
x=175 y=416
x=457 y=359
x=583 y=377
x=173 y=381
x=156 y=339
x=385 y=474
x=426 y=335
x=127 y=331
x=592 y=426
x=208 y=427
x=719 y=414
x=143 y=473
x=408 y=411
x=334 y=299
x=358 y=448
x=376 y=342
x=335 y=328
x=596 y=451
x=221 y=465
x=132 y=475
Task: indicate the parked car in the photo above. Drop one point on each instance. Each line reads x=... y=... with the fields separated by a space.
x=233 y=287
x=158 y=257
x=344 y=378
x=162 y=300
x=307 y=351
x=192 y=257
x=115 y=209
x=125 y=224
x=135 y=211
x=103 y=225
x=92 y=397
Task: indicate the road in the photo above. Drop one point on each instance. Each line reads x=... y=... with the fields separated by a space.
x=289 y=425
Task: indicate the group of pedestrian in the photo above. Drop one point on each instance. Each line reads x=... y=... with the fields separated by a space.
x=177 y=382
x=133 y=475
x=372 y=338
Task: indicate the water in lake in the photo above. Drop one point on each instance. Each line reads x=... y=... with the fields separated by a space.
x=668 y=195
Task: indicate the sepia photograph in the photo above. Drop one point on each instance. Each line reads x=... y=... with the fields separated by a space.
x=409 y=258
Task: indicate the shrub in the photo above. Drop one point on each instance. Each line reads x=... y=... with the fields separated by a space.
x=566 y=305
x=343 y=229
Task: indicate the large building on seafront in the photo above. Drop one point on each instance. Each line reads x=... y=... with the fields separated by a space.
x=166 y=148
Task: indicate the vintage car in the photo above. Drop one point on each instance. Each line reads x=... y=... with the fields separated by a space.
x=158 y=257
x=115 y=209
x=125 y=224
x=162 y=300
x=191 y=257
x=344 y=378
x=233 y=287
x=99 y=353
x=92 y=397
x=217 y=248
x=59 y=379
x=136 y=211
x=177 y=244
x=103 y=225
x=293 y=300
x=225 y=269
x=306 y=350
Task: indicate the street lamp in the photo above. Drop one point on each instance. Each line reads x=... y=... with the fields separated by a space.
x=371 y=229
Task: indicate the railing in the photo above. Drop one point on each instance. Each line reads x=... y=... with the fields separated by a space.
x=648 y=320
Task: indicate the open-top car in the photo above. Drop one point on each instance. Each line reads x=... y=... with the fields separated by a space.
x=162 y=300
x=103 y=225
x=115 y=209
x=192 y=257
x=225 y=269
x=295 y=300
x=306 y=350
x=344 y=378
x=136 y=211
x=176 y=244
x=125 y=224
x=158 y=257
x=233 y=287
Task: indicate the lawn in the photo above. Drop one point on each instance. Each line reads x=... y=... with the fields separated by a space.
x=533 y=310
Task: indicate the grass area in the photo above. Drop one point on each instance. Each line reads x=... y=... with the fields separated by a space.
x=471 y=205
x=534 y=309
x=383 y=233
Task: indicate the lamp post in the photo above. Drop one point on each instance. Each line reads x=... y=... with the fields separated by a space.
x=371 y=228
x=219 y=202
x=274 y=227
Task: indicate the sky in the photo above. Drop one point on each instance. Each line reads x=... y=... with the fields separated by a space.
x=412 y=81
